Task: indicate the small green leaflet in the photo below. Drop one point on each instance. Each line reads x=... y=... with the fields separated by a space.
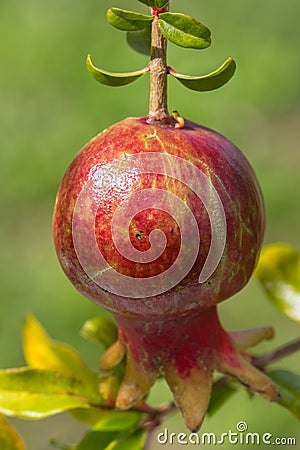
x=184 y=31
x=113 y=79
x=289 y=388
x=127 y=20
x=154 y=3
x=9 y=438
x=213 y=80
x=35 y=394
x=140 y=41
x=278 y=270
x=100 y=330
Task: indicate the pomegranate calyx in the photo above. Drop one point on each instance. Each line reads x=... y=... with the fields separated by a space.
x=191 y=395
x=137 y=382
x=112 y=356
x=249 y=338
x=186 y=351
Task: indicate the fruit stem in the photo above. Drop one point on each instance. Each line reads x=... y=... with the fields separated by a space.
x=158 y=104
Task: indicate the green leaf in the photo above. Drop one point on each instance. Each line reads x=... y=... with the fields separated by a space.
x=134 y=441
x=127 y=20
x=289 y=388
x=112 y=441
x=278 y=271
x=9 y=438
x=213 y=80
x=88 y=416
x=60 y=446
x=96 y=440
x=118 y=421
x=140 y=41
x=154 y=3
x=35 y=394
x=100 y=330
x=184 y=31
x=219 y=397
x=41 y=352
x=113 y=79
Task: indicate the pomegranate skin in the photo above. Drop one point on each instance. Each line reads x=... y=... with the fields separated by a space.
x=228 y=171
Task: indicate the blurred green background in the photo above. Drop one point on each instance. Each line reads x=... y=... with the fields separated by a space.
x=50 y=107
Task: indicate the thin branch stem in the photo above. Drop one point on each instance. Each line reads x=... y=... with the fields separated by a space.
x=264 y=360
x=151 y=423
x=145 y=409
x=158 y=103
x=149 y=440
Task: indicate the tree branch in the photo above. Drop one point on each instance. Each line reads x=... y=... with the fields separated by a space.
x=287 y=349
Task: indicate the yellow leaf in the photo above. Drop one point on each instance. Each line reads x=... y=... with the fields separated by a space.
x=41 y=352
x=9 y=438
x=278 y=271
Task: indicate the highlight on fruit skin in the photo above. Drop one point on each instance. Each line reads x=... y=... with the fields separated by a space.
x=176 y=332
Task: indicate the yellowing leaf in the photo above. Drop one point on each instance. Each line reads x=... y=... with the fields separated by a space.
x=109 y=387
x=41 y=352
x=9 y=438
x=35 y=394
x=278 y=271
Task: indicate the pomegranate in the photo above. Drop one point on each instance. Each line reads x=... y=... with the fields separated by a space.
x=159 y=223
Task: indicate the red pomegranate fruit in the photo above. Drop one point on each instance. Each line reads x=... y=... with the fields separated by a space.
x=159 y=223
x=173 y=330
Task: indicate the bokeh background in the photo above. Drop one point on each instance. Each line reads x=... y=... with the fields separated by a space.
x=50 y=107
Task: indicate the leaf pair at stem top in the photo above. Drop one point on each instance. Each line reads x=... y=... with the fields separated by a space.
x=180 y=29
x=155 y=3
